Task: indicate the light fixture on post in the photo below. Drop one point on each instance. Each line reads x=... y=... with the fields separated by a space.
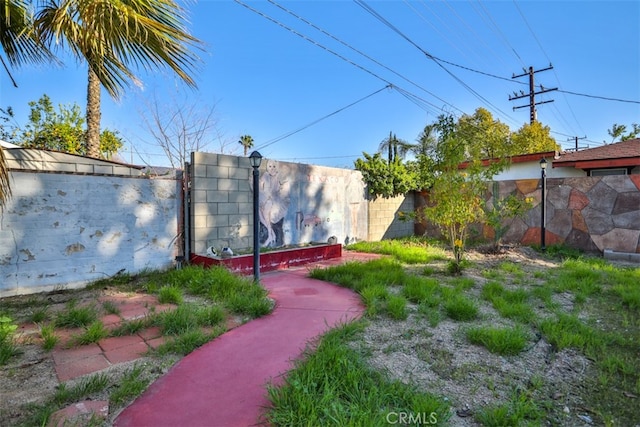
x=543 y=178
x=255 y=159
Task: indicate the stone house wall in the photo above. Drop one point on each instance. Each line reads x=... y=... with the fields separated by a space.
x=587 y=213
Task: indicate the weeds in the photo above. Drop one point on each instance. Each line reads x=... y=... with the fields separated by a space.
x=502 y=341
x=64 y=395
x=333 y=385
x=8 y=348
x=49 y=337
x=461 y=308
x=132 y=384
x=75 y=317
x=92 y=334
x=170 y=295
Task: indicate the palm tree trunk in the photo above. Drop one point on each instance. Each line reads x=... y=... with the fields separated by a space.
x=5 y=188
x=93 y=115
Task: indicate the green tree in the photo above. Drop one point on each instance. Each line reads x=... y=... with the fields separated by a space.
x=618 y=132
x=396 y=148
x=458 y=203
x=385 y=179
x=62 y=130
x=459 y=176
x=532 y=138
x=482 y=136
x=247 y=142
x=113 y=36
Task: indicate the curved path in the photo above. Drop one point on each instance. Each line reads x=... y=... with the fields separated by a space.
x=222 y=384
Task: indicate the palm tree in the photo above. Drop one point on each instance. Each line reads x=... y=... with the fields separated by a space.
x=396 y=148
x=5 y=188
x=247 y=142
x=111 y=36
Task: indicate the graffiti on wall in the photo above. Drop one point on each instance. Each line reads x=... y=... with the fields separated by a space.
x=302 y=204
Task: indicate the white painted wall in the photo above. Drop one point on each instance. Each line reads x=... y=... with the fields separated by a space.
x=531 y=170
x=64 y=230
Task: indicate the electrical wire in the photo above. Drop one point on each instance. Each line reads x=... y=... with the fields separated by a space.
x=373 y=12
x=496 y=29
x=575 y=118
x=599 y=97
x=361 y=53
x=293 y=132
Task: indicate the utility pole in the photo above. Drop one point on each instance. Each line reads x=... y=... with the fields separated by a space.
x=532 y=92
x=576 y=139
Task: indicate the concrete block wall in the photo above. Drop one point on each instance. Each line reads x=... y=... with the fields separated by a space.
x=221 y=202
x=309 y=204
x=53 y=161
x=65 y=230
x=384 y=218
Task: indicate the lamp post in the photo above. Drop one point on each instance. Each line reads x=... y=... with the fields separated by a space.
x=256 y=158
x=543 y=177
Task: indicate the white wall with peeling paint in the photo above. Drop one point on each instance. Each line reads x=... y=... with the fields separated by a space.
x=65 y=230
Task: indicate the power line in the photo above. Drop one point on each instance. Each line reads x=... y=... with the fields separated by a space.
x=497 y=29
x=361 y=53
x=548 y=59
x=288 y=134
x=372 y=11
x=599 y=97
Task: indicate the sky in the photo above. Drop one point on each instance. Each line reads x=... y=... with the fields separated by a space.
x=321 y=82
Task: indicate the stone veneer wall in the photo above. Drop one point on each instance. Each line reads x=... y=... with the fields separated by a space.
x=587 y=213
x=384 y=214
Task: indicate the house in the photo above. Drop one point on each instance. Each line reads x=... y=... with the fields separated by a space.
x=620 y=158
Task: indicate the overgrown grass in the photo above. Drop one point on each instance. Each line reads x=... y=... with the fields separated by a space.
x=170 y=295
x=461 y=308
x=49 y=337
x=333 y=385
x=601 y=322
x=502 y=341
x=520 y=410
x=8 y=347
x=92 y=334
x=407 y=250
x=219 y=294
x=39 y=414
x=512 y=304
x=75 y=316
x=132 y=384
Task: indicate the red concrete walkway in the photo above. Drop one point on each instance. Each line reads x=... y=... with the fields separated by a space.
x=222 y=384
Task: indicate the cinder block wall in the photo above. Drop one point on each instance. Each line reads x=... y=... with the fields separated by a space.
x=65 y=229
x=314 y=203
x=384 y=222
x=221 y=202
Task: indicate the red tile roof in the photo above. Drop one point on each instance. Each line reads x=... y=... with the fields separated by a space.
x=625 y=153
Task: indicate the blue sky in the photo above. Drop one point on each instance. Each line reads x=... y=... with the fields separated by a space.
x=265 y=80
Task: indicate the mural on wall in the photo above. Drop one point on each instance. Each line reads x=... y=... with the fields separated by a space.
x=302 y=204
